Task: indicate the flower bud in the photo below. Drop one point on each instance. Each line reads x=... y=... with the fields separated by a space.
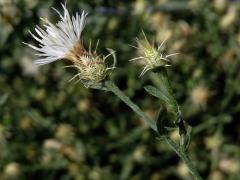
x=91 y=67
x=151 y=57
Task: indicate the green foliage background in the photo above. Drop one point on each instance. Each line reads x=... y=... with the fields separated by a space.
x=52 y=129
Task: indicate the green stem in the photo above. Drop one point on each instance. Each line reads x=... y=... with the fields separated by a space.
x=112 y=87
x=182 y=154
x=165 y=80
x=166 y=88
x=162 y=73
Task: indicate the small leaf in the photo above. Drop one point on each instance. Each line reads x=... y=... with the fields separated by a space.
x=168 y=99
x=157 y=93
x=161 y=121
x=164 y=122
x=185 y=139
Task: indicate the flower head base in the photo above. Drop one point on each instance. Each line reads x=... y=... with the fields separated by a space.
x=91 y=66
x=151 y=57
x=63 y=41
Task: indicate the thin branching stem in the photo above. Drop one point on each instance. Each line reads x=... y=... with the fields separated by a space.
x=112 y=87
x=182 y=154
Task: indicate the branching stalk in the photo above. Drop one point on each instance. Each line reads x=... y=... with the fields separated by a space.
x=182 y=154
x=112 y=87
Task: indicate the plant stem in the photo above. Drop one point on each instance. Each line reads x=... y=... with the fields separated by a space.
x=112 y=87
x=162 y=73
x=165 y=80
x=182 y=154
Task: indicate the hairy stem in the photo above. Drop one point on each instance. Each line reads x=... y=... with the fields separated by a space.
x=112 y=87
x=182 y=154
x=179 y=119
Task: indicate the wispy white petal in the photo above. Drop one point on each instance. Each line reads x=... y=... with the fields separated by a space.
x=58 y=39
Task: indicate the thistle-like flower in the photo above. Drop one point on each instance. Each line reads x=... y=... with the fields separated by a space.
x=150 y=56
x=63 y=41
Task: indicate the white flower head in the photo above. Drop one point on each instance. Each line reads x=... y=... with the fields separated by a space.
x=63 y=41
x=150 y=56
x=56 y=41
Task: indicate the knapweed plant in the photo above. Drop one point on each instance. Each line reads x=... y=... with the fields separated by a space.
x=63 y=41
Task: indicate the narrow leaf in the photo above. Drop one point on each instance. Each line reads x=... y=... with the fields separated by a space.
x=161 y=121
x=157 y=93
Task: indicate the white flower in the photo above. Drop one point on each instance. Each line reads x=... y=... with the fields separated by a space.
x=58 y=41
x=63 y=41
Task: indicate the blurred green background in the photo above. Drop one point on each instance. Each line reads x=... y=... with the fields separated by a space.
x=52 y=129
